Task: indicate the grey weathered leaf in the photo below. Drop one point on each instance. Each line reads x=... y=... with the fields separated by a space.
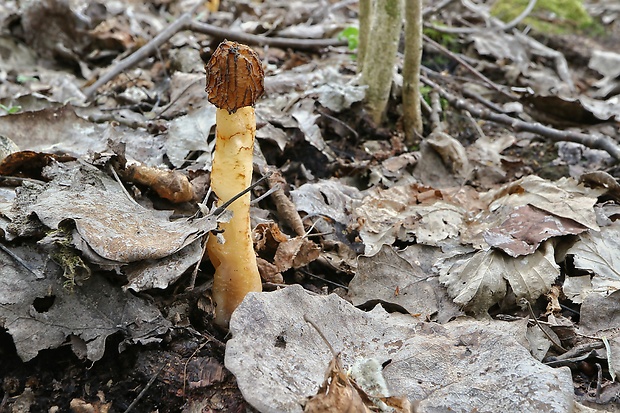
x=327 y=198
x=564 y=198
x=110 y=229
x=387 y=278
x=115 y=227
x=40 y=313
x=598 y=251
x=407 y=213
x=190 y=133
x=478 y=281
x=279 y=360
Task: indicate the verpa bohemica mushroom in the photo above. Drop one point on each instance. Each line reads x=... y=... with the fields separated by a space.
x=234 y=82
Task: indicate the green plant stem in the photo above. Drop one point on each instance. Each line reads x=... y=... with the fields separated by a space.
x=412 y=116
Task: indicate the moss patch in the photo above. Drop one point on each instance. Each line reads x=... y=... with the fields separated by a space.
x=75 y=269
x=548 y=16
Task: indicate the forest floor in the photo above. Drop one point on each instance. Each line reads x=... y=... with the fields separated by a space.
x=495 y=231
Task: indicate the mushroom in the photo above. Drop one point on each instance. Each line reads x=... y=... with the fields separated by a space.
x=234 y=82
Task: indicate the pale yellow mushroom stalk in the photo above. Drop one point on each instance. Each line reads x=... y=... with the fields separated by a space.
x=234 y=82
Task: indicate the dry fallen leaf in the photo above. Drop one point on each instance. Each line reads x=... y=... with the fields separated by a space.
x=478 y=281
x=526 y=228
x=457 y=365
x=380 y=276
x=329 y=198
x=336 y=394
x=111 y=230
x=407 y=213
x=190 y=133
x=278 y=253
x=40 y=313
x=598 y=252
x=565 y=198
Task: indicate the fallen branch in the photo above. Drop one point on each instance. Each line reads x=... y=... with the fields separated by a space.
x=247 y=38
x=595 y=142
x=186 y=22
x=140 y=54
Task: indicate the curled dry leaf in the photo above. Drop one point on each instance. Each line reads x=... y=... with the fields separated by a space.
x=596 y=252
x=28 y=163
x=269 y=272
x=170 y=185
x=287 y=252
x=525 y=229
x=478 y=281
x=337 y=393
x=341 y=393
x=451 y=151
x=234 y=67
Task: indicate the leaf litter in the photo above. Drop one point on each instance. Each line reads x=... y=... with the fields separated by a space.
x=458 y=227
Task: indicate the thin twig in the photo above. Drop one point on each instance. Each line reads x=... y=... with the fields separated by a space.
x=38 y=274
x=467 y=66
x=486 y=102
x=269 y=192
x=599 y=381
x=5 y=398
x=144 y=390
x=120 y=184
x=219 y=210
x=318 y=330
x=186 y=22
x=595 y=142
x=192 y=280
x=436 y=7
x=435 y=116
x=497 y=28
x=558 y=345
x=187 y=362
x=142 y=53
x=18 y=179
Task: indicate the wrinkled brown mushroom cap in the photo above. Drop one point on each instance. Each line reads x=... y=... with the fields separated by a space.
x=235 y=76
